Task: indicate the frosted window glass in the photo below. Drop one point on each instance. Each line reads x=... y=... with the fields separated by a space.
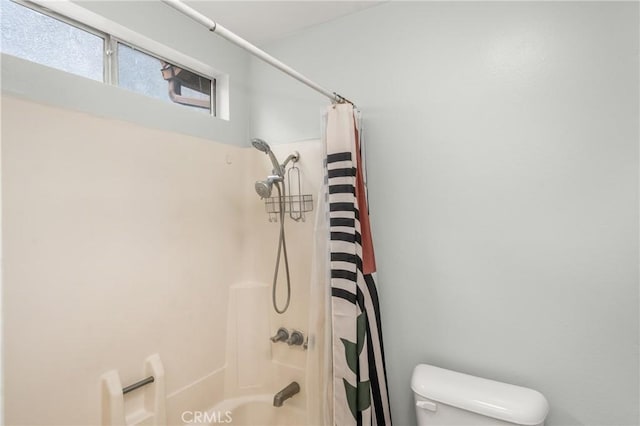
x=141 y=73
x=39 y=38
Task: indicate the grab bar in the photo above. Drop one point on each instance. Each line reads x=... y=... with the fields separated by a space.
x=137 y=385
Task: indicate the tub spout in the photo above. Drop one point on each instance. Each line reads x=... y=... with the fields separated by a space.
x=286 y=393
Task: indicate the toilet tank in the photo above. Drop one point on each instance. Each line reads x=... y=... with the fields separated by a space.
x=446 y=398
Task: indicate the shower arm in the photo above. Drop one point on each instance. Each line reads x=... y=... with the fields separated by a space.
x=279 y=169
x=292 y=157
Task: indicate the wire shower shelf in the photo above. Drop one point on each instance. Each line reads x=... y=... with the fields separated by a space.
x=294 y=205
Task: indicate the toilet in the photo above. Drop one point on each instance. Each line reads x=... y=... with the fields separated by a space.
x=447 y=398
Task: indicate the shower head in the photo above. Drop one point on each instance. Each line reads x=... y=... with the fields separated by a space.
x=264 y=187
x=262 y=146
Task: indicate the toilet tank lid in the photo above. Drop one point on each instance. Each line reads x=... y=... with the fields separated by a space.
x=489 y=398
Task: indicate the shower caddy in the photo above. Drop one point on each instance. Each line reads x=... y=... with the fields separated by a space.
x=296 y=204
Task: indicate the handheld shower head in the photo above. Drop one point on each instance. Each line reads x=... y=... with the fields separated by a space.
x=262 y=146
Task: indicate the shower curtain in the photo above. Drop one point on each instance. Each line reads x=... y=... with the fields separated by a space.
x=353 y=385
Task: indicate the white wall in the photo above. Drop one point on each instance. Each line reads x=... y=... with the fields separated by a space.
x=119 y=241
x=503 y=168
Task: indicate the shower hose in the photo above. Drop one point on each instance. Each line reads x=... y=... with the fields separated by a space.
x=282 y=247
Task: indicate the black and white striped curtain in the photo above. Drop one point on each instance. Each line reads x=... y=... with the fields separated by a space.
x=359 y=376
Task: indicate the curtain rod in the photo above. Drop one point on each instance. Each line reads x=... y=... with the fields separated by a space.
x=239 y=41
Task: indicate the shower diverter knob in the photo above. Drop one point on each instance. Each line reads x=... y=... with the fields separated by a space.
x=296 y=338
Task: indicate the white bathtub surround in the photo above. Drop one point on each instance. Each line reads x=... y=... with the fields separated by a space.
x=262 y=240
x=291 y=362
x=152 y=225
x=256 y=368
x=198 y=395
x=248 y=346
x=119 y=241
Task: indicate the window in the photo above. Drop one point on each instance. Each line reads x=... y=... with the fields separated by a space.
x=151 y=76
x=38 y=35
x=39 y=38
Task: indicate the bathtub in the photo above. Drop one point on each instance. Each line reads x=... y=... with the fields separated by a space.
x=253 y=410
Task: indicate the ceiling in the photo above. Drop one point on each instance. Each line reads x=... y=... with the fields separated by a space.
x=262 y=22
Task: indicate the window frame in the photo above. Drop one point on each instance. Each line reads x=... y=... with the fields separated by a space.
x=110 y=52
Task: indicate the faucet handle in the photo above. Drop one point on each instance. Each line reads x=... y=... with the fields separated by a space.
x=282 y=335
x=296 y=338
